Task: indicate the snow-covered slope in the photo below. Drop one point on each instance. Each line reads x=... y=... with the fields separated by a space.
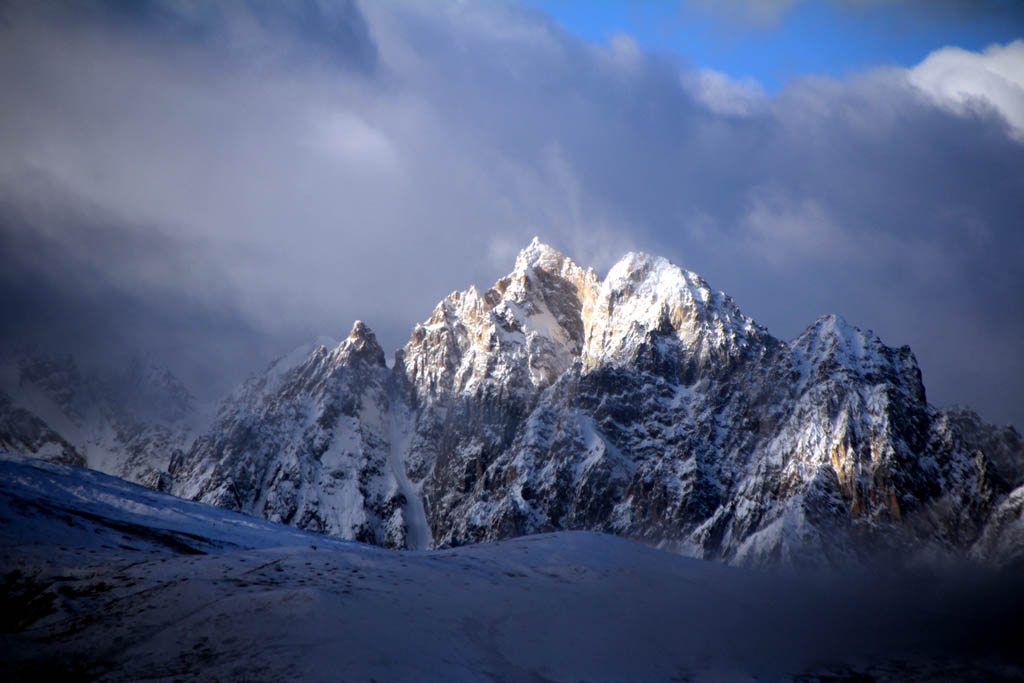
x=105 y=580
x=647 y=405
x=310 y=443
x=128 y=423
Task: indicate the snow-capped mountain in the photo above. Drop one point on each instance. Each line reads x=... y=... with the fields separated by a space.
x=128 y=423
x=645 y=405
x=315 y=442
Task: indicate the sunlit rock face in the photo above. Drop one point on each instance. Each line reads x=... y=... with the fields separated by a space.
x=518 y=336
x=646 y=298
x=646 y=405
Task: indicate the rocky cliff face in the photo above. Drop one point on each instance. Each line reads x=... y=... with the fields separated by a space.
x=646 y=405
x=312 y=442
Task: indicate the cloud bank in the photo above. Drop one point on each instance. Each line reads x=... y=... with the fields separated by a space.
x=964 y=81
x=214 y=184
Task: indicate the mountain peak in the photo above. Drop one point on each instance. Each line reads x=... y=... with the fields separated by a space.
x=644 y=293
x=645 y=405
x=540 y=255
x=363 y=344
x=545 y=278
x=359 y=330
x=637 y=266
x=834 y=330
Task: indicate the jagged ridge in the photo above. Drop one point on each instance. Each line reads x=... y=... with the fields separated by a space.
x=646 y=405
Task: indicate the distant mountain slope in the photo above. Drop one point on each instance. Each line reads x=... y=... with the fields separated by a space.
x=128 y=423
x=646 y=405
x=23 y=432
x=106 y=580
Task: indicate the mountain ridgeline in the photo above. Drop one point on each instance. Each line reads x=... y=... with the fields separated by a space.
x=645 y=405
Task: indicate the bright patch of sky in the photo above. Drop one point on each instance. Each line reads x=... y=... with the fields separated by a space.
x=776 y=41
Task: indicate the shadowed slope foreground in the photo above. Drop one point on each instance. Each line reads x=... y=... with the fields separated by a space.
x=108 y=580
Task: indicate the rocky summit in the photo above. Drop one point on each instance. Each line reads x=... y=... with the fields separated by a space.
x=646 y=405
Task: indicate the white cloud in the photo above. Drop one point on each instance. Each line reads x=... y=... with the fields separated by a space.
x=965 y=81
x=724 y=95
x=345 y=135
x=301 y=190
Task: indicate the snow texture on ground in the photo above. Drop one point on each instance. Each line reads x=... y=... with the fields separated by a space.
x=106 y=580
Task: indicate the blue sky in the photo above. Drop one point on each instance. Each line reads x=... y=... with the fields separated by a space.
x=774 y=45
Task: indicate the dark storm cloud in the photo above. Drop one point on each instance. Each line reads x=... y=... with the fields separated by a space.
x=60 y=293
x=245 y=29
x=242 y=177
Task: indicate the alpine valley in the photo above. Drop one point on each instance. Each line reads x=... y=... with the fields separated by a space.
x=645 y=405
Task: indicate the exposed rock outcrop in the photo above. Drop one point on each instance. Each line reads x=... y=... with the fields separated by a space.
x=646 y=405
